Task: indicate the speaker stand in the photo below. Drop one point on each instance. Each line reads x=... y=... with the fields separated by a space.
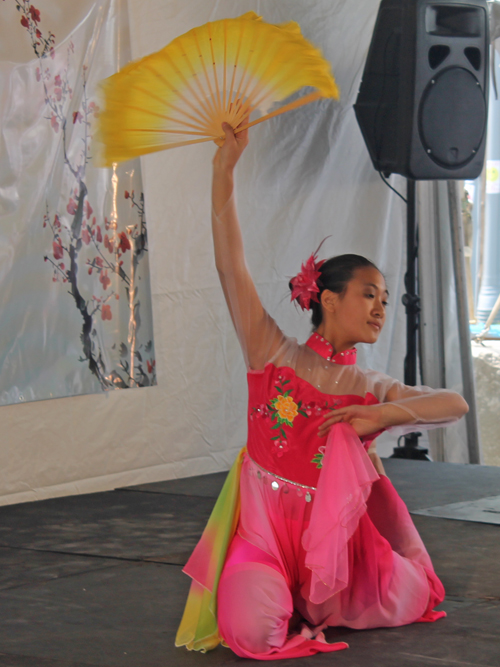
x=411 y=301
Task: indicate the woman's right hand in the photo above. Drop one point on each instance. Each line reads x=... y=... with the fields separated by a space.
x=234 y=144
x=365 y=419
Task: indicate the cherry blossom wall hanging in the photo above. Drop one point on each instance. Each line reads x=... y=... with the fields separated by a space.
x=78 y=313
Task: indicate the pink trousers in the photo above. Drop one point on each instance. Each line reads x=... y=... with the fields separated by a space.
x=264 y=607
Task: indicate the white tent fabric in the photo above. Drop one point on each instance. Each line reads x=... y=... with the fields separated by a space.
x=440 y=349
x=305 y=175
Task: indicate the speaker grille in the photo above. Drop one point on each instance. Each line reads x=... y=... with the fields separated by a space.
x=452 y=117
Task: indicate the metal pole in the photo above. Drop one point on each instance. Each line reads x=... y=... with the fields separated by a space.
x=411 y=301
x=469 y=387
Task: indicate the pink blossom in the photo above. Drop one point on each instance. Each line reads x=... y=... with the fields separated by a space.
x=99 y=235
x=124 y=243
x=58 y=94
x=25 y=22
x=77 y=116
x=35 y=14
x=72 y=206
x=38 y=74
x=88 y=209
x=54 y=123
x=57 y=80
x=108 y=244
x=57 y=249
x=280 y=447
x=86 y=238
x=104 y=280
x=106 y=312
x=99 y=262
x=261 y=411
x=94 y=109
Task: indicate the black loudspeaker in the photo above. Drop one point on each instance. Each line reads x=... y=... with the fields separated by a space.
x=423 y=100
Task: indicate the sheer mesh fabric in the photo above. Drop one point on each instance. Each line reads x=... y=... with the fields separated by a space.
x=262 y=342
x=330 y=378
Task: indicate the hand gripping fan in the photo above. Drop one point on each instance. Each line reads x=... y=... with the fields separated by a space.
x=221 y=71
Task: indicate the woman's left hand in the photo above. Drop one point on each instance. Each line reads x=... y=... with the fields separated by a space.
x=365 y=419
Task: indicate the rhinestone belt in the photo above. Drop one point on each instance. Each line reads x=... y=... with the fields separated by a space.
x=275 y=484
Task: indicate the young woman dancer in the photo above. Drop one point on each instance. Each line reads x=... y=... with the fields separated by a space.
x=308 y=531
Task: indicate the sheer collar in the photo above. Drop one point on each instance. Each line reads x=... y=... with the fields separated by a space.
x=325 y=349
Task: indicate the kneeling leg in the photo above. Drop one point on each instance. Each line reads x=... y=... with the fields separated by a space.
x=254 y=608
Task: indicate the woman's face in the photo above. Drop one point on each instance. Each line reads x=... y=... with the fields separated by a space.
x=358 y=314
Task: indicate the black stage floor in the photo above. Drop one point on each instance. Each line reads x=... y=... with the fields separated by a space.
x=96 y=580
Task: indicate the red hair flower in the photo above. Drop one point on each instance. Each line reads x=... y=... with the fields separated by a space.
x=305 y=284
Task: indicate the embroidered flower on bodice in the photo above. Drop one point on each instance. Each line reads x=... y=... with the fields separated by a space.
x=260 y=411
x=285 y=409
x=280 y=447
x=282 y=409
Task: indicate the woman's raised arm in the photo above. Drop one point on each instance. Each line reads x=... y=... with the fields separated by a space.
x=259 y=335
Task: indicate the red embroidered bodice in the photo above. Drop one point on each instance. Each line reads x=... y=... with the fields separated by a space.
x=286 y=410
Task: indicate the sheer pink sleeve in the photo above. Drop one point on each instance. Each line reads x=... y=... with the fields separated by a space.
x=425 y=407
x=259 y=335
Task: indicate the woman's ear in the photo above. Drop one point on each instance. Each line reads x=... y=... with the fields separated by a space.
x=329 y=300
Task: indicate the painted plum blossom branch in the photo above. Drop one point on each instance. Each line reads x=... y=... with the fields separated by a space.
x=30 y=19
x=85 y=233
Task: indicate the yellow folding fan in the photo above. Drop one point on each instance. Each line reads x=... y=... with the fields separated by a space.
x=221 y=71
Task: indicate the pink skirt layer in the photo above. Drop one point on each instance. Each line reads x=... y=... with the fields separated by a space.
x=350 y=557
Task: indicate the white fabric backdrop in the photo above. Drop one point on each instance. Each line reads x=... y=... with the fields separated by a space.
x=304 y=176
